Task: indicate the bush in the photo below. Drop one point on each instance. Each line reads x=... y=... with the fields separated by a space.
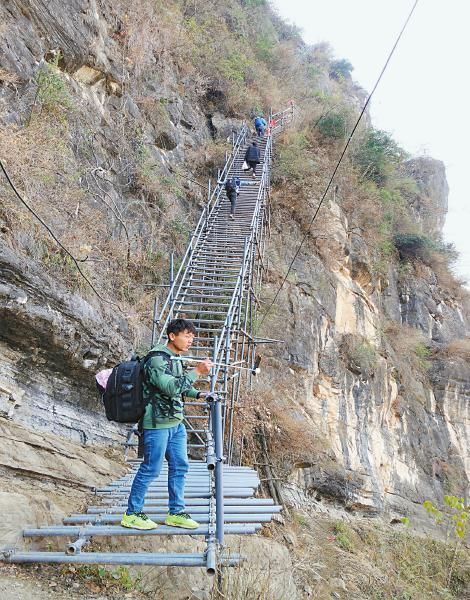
x=293 y=161
x=52 y=92
x=340 y=69
x=377 y=156
x=333 y=125
x=413 y=245
x=360 y=356
x=343 y=536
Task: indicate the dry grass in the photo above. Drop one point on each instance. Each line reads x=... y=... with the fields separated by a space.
x=459 y=348
x=9 y=78
x=411 y=347
x=370 y=561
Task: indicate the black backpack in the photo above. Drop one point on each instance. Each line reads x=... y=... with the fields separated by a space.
x=231 y=186
x=123 y=397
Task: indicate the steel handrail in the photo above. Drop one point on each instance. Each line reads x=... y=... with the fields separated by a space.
x=203 y=220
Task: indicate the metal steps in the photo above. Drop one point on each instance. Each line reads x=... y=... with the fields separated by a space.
x=218 y=276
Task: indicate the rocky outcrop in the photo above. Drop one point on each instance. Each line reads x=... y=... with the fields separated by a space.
x=430 y=202
x=384 y=436
x=389 y=434
x=51 y=344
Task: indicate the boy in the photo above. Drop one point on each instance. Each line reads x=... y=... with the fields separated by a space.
x=163 y=430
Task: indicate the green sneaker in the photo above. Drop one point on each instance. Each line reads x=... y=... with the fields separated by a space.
x=181 y=520
x=138 y=521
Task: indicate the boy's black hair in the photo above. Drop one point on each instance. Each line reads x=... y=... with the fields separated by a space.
x=178 y=325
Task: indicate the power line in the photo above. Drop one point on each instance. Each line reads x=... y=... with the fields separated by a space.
x=337 y=165
x=52 y=234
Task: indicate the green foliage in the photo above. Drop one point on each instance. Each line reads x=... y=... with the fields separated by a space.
x=377 y=156
x=294 y=161
x=454 y=516
x=52 y=92
x=421 y=246
x=119 y=577
x=343 y=536
x=359 y=354
x=234 y=67
x=333 y=125
x=254 y=3
x=423 y=352
x=415 y=245
x=340 y=69
x=265 y=45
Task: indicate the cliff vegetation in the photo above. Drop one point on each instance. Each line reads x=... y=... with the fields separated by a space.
x=114 y=116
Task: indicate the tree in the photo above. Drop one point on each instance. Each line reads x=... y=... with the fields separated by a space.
x=340 y=69
x=378 y=155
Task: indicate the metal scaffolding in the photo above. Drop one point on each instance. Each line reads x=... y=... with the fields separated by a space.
x=217 y=287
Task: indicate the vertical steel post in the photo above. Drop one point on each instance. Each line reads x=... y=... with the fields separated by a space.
x=154 y=322
x=219 y=470
x=172 y=280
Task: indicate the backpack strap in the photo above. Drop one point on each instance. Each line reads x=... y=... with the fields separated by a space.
x=168 y=371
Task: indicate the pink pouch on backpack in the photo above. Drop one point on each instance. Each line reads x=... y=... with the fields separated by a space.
x=102 y=377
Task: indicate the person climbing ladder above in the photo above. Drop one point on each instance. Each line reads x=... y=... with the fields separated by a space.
x=232 y=189
x=252 y=157
x=165 y=384
x=260 y=126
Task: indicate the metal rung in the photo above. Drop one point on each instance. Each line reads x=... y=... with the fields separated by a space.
x=107 y=530
x=195 y=505
x=169 y=559
x=160 y=518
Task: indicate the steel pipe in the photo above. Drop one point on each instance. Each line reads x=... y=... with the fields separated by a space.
x=106 y=530
x=115 y=519
x=196 y=509
x=76 y=547
x=110 y=558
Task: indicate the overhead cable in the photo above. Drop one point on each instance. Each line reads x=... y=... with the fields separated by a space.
x=337 y=167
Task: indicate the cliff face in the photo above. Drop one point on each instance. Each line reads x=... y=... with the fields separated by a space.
x=51 y=344
x=108 y=145
x=390 y=431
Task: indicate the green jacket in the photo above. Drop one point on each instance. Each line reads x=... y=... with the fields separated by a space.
x=164 y=387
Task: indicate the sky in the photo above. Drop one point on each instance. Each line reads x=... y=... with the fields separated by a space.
x=422 y=98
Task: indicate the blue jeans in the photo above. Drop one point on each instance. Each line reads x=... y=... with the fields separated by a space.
x=170 y=443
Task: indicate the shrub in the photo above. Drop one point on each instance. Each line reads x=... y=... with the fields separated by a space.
x=459 y=348
x=423 y=352
x=377 y=156
x=340 y=69
x=52 y=92
x=360 y=356
x=333 y=125
x=413 y=245
x=454 y=518
x=293 y=160
x=265 y=45
x=343 y=536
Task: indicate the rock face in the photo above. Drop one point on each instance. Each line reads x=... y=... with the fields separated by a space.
x=51 y=344
x=430 y=203
x=390 y=433
x=393 y=435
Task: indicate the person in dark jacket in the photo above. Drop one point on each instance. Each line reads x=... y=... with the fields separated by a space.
x=164 y=433
x=252 y=157
x=232 y=189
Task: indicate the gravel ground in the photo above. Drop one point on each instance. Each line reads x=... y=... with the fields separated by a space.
x=44 y=583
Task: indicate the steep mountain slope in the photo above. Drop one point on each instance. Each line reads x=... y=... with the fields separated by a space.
x=113 y=118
